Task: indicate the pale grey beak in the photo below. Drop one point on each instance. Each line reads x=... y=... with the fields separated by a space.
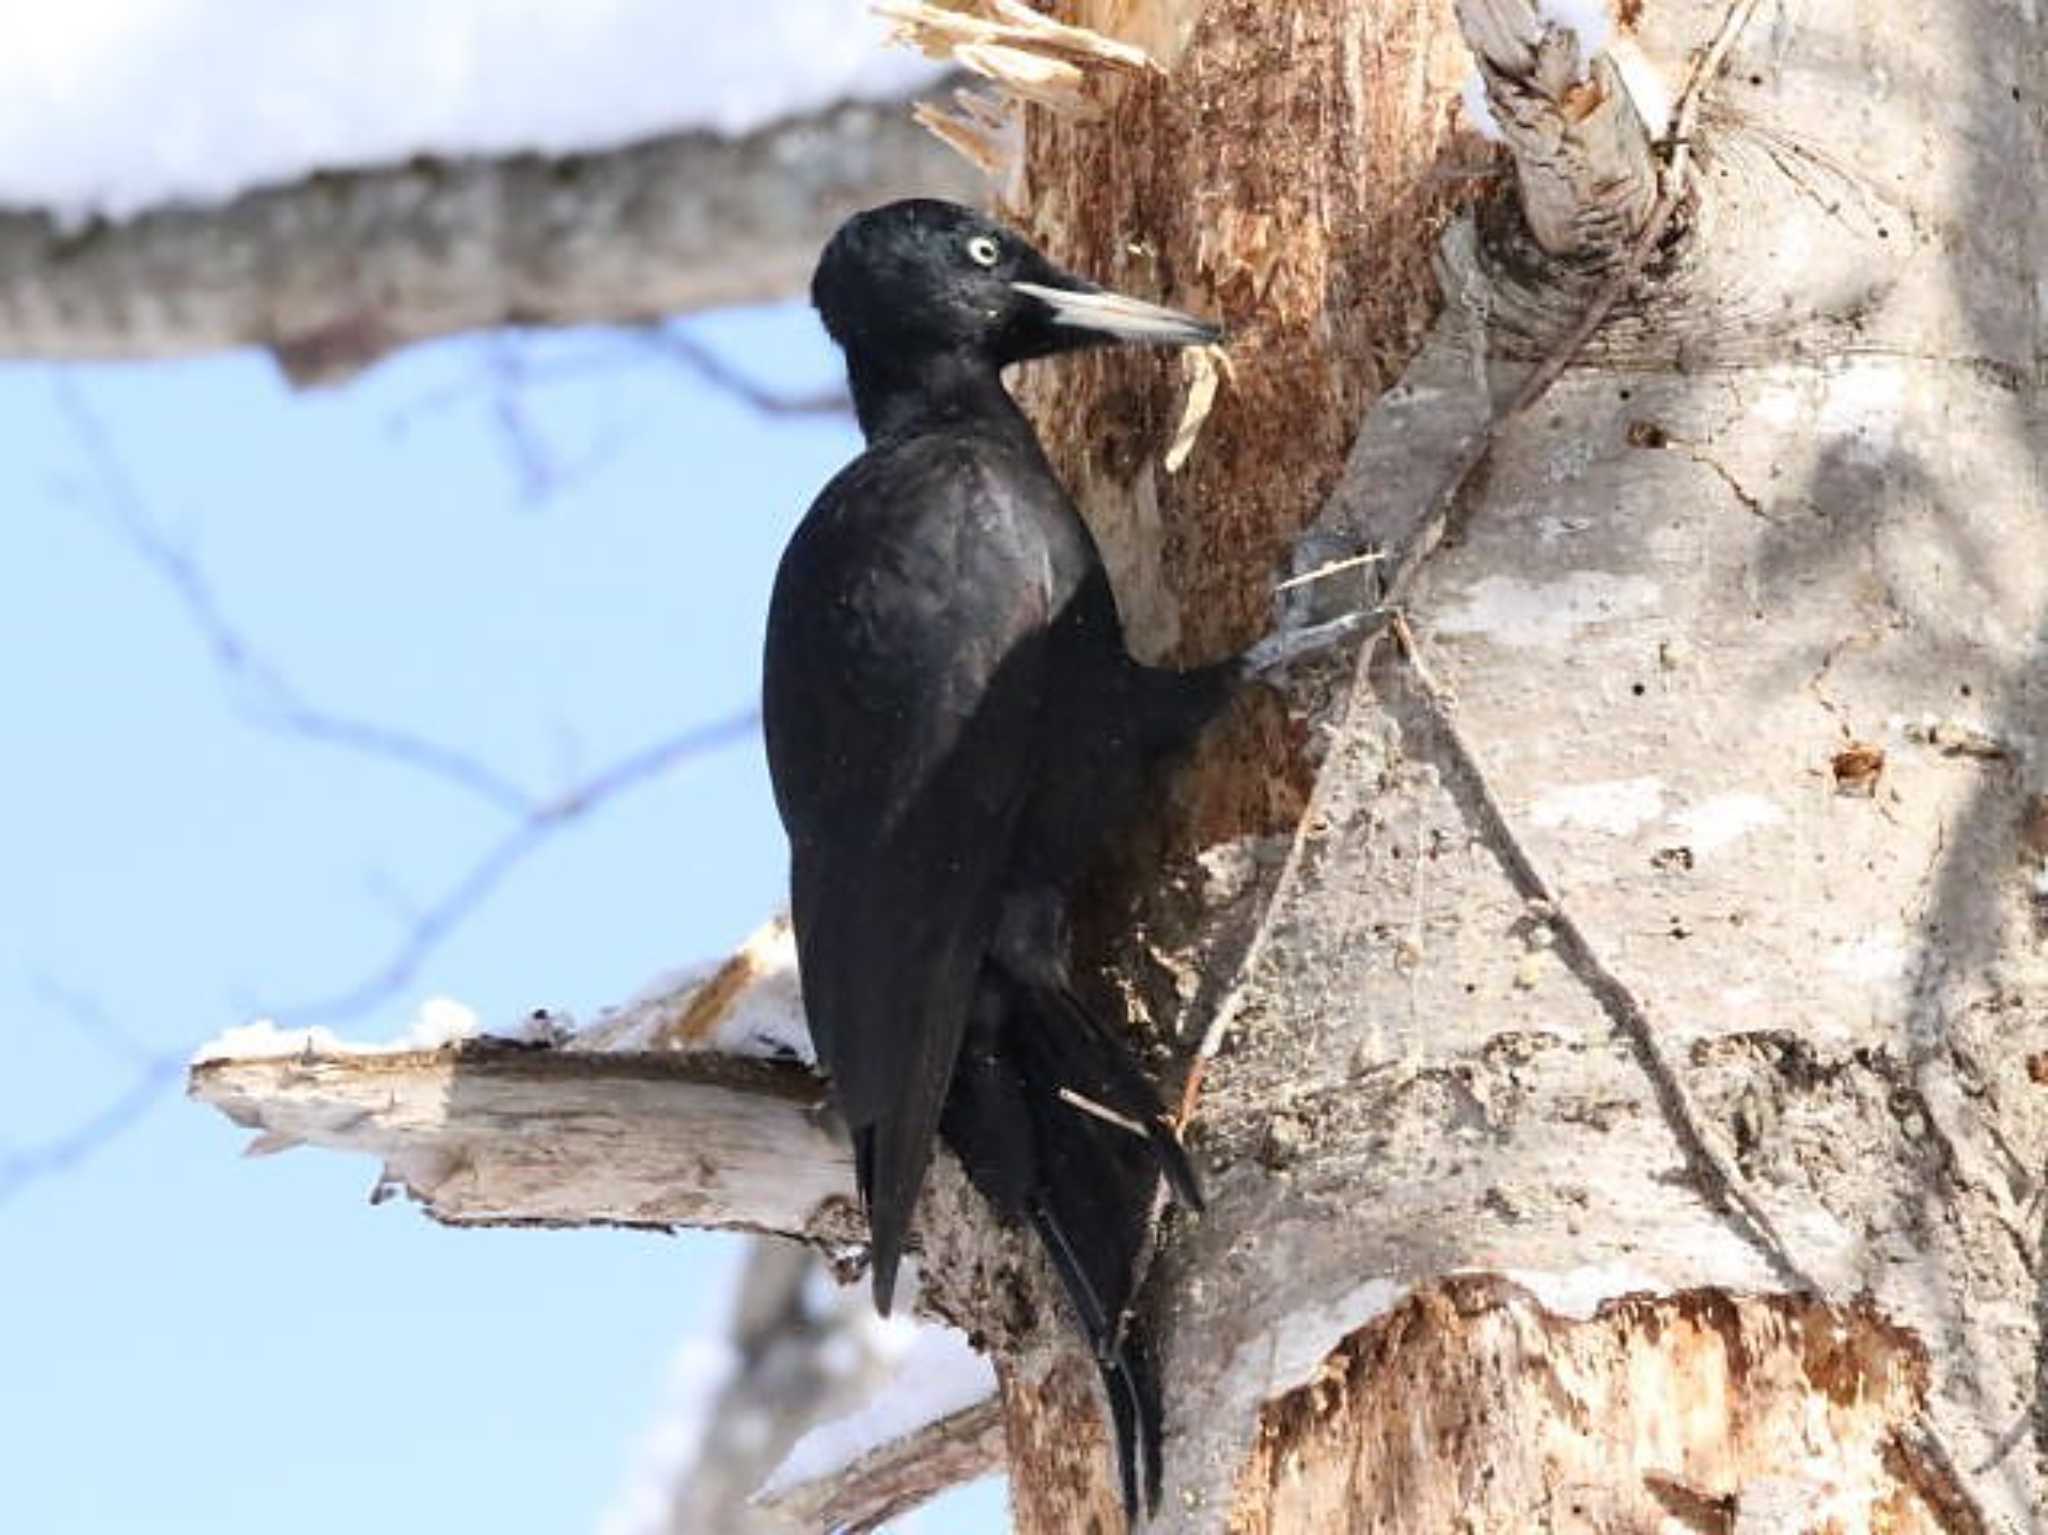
x=1117 y=318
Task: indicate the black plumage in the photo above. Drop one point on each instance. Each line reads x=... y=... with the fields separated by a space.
x=955 y=729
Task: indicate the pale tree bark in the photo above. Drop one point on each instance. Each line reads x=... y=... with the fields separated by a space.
x=335 y=271
x=1619 y=987
x=1627 y=1115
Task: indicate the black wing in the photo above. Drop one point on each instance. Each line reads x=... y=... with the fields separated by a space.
x=902 y=690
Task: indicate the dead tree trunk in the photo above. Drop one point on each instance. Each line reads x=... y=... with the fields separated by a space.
x=1630 y=1107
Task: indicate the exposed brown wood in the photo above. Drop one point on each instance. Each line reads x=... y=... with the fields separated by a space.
x=1470 y=1408
x=1061 y=1475
x=1280 y=177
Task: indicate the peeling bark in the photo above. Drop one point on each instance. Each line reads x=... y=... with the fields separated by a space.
x=336 y=271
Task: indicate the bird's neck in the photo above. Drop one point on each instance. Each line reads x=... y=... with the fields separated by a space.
x=893 y=396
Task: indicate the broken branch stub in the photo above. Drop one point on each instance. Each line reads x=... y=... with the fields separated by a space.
x=1583 y=161
x=493 y=1134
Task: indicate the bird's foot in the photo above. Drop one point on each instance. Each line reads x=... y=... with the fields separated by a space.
x=1283 y=647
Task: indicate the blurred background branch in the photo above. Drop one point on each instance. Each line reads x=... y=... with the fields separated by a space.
x=335 y=271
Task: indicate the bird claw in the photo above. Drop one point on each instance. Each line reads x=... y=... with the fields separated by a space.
x=1282 y=648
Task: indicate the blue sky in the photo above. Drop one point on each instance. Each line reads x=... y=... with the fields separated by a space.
x=194 y=1341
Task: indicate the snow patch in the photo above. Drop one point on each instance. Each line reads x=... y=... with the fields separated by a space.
x=750 y=1003
x=441 y=1021
x=1548 y=615
x=1723 y=819
x=1479 y=110
x=1873 y=958
x=1590 y=21
x=1860 y=407
x=262 y=1040
x=1644 y=83
x=941 y=1374
x=1580 y=1292
x=768 y=1017
x=1615 y=806
x=101 y=113
x=700 y=1371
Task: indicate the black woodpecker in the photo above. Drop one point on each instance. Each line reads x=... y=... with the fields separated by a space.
x=955 y=729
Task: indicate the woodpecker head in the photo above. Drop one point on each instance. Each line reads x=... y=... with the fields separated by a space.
x=923 y=278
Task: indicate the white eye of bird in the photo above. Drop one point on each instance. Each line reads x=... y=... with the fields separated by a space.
x=983 y=251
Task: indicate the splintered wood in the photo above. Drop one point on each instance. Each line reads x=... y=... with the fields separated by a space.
x=1031 y=56
x=982 y=128
x=1471 y=1408
x=1204 y=366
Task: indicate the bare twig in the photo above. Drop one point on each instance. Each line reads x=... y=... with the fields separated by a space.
x=541 y=470
x=263 y=697
x=1332 y=568
x=153 y=1074
x=674 y=344
x=514 y=364
x=272 y=703
x=268 y=700
x=90 y=1018
x=489 y=871
x=1103 y=1112
x=25 y=1165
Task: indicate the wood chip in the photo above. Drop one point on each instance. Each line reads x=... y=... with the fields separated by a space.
x=1204 y=367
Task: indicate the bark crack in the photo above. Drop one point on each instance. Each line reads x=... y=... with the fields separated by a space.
x=1713 y=1173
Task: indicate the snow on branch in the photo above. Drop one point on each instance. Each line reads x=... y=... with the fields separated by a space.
x=337 y=270
x=891 y=1474
x=1576 y=107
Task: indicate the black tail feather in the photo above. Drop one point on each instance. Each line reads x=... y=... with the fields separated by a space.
x=1129 y=1384
x=1085 y=1183
x=1096 y=1318
x=888 y=1221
